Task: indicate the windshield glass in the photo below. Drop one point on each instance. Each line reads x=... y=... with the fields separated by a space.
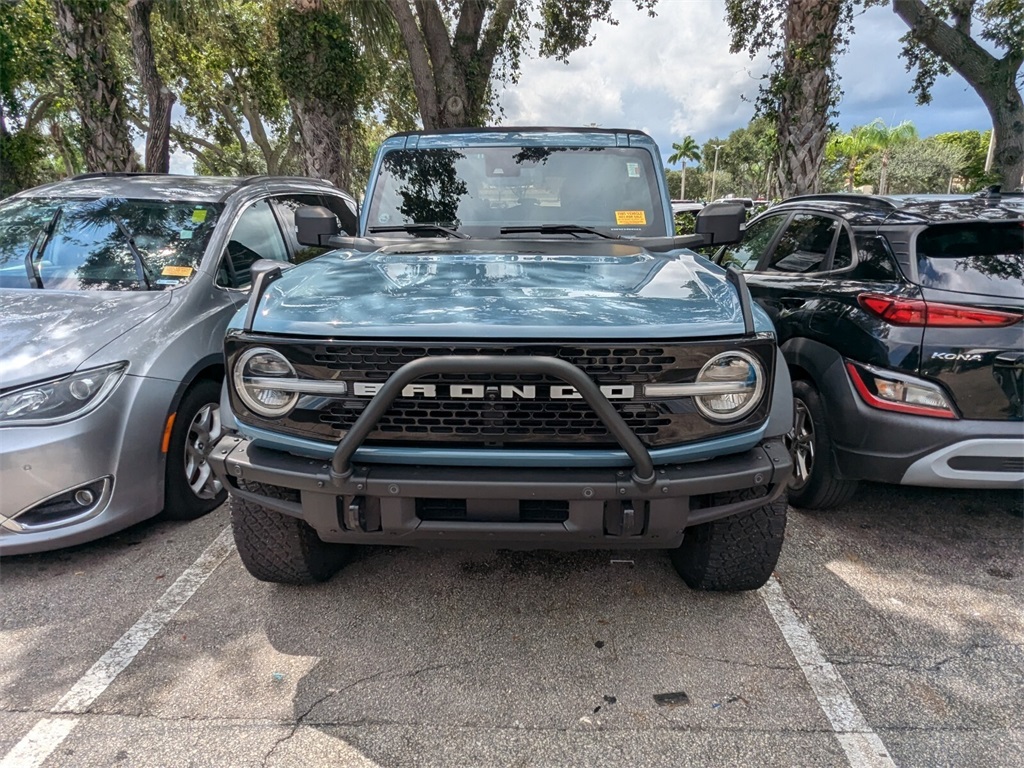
x=479 y=190
x=985 y=258
x=87 y=249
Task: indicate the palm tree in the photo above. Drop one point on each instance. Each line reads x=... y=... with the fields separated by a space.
x=686 y=150
x=852 y=147
x=885 y=138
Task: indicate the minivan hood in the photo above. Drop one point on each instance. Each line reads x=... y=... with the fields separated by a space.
x=46 y=333
x=543 y=289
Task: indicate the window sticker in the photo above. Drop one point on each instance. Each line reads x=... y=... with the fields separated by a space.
x=633 y=169
x=198 y=215
x=628 y=218
x=185 y=234
x=173 y=271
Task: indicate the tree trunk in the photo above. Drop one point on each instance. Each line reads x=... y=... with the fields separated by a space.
x=99 y=92
x=682 y=184
x=320 y=135
x=160 y=99
x=994 y=80
x=806 y=83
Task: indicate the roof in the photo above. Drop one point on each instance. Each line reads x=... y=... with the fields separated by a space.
x=876 y=210
x=522 y=129
x=159 y=186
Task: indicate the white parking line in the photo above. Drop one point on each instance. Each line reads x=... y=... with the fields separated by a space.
x=46 y=735
x=863 y=747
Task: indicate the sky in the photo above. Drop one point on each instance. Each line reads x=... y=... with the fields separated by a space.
x=673 y=75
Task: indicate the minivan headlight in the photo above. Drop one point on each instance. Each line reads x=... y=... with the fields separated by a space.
x=60 y=399
x=745 y=375
x=253 y=380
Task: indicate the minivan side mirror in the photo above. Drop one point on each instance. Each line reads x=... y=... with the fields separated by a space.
x=315 y=225
x=722 y=223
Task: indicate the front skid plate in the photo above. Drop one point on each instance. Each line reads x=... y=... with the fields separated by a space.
x=321 y=501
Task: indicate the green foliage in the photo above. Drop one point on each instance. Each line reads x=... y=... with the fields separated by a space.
x=974 y=145
x=567 y=24
x=319 y=58
x=918 y=166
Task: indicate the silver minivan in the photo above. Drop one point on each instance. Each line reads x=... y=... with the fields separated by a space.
x=115 y=290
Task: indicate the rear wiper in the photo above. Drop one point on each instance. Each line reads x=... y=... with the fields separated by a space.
x=31 y=267
x=415 y=229
x=558 y=229
x=140 y=263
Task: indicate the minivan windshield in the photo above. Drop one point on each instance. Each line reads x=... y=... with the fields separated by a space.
x=983 y=258
x=478 y=191
x=105 y=244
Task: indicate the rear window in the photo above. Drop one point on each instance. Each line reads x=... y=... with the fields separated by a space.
x=985 y=258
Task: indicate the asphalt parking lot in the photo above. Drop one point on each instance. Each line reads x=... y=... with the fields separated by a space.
x=892 y=633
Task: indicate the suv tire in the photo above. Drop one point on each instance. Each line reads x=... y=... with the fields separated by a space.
x=735 y=553
x=191 y=489
x=280 y=548
x=821 y=489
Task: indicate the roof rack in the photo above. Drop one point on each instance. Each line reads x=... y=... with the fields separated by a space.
x=847 y=197
x=247 y=180
x=117 y=174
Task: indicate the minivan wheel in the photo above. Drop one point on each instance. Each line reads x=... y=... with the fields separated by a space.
x=734 y=553
x=280 y=548
x=814 y=484
x=191 y=489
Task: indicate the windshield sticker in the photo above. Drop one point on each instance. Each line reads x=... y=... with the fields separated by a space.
x=198 y=215
x=173 y=271
x=185 y=234
x=633 y=169
x=626 y=218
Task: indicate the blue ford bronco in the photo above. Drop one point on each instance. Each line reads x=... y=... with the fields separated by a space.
x=512 y=351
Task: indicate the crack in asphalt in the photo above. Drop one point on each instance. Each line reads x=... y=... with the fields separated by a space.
x=735 y=662
x=331 y=692
x=920 y=665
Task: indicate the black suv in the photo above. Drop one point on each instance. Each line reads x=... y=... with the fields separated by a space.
x=900 y=318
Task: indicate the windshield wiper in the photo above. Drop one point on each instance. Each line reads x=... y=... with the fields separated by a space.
x=140 y=263
x=31 y=267
x=415 y=229
x=558 y=229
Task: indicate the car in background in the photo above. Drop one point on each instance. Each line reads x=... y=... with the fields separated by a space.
x=900 y=319
x=687 y=206
x=115 y=290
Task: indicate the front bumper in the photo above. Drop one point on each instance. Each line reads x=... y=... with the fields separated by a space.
x=114 y=451
x=603 y=507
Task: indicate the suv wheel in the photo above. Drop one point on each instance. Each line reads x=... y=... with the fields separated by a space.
x=814 y=483
x=735 y=553
x=191 y=488
x=280 y=548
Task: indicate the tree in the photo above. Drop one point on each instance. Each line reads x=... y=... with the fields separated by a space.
x=974 y=145
x=803 y=38
x=85 y=33
x=683 y=153
x=916 y=166
x=941 y=41
x=453 y=48
x=853 y=147
x=885 y=138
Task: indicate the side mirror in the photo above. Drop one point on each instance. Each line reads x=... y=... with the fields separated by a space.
x=722 y=223
x=315 y=225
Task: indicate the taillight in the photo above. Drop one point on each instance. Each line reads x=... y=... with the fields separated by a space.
x=897 y=310
x=896 y=392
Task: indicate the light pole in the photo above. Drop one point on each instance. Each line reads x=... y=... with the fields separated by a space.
x=714 y=170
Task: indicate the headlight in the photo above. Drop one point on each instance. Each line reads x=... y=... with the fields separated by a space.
x=253 y=379
x=61 y=399
x=736 y=371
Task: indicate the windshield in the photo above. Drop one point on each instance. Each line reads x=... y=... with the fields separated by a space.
x=985 y=258
x=479 y=190
x=84 y=244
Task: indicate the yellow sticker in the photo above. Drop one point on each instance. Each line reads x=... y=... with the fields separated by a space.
x=173 y=271
x=199 y=215
x=631 y=218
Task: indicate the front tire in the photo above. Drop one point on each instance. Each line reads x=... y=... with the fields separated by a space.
x=735 y=553
x=814 y=484
x=280 y=548
x=191 y=489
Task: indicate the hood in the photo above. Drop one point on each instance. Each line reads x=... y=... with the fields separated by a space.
x=552 y=289
x=49 y=333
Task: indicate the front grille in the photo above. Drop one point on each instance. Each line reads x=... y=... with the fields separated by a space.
x=492 y=420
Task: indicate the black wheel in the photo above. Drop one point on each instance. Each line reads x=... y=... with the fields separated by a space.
x=814 y=484
x=735 y=553
x=280 y=548
x=191 y=489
